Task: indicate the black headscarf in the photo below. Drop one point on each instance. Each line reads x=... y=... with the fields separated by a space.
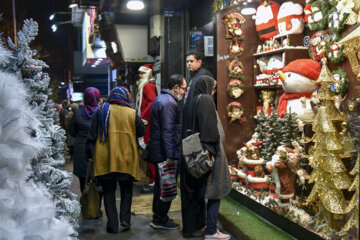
x=206 y=120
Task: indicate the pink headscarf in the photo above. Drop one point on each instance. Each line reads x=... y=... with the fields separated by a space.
x=91 y=98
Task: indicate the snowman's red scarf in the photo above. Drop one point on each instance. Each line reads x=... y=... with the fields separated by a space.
x=282 y=106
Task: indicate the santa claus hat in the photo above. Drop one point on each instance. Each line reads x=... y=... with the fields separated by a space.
x=146 y=68
x=305 y=67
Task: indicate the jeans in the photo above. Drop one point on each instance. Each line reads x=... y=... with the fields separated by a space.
x=213 y=206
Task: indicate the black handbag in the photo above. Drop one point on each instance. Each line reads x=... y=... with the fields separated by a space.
x=198 y=160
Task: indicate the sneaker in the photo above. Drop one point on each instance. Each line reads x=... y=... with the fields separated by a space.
x=124 y=226
x=169 y=225
x=217 y=236
x=151 y=184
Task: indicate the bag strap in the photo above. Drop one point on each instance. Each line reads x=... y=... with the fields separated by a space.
x=194 y=113
x=89 y=171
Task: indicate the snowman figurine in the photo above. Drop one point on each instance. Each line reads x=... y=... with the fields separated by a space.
x=298 y=79
x=290 y=18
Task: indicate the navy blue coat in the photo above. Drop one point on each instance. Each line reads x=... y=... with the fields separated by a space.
x=165 y=125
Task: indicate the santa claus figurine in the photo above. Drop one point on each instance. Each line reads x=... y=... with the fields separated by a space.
x=266 y=19
x=298 y=79
x=283 y=168
x=290 y=18
x=146 y=94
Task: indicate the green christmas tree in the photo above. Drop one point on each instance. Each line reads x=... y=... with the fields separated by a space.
x=261 y=127
x=290 y=130
x=329 y=173
x=273 y=136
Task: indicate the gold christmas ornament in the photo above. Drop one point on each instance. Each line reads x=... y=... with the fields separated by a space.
x=352 y=49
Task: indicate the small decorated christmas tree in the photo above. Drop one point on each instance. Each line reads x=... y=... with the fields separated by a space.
x=47 y=166
x=273 y=136
x=329 y=173
x=290 y=130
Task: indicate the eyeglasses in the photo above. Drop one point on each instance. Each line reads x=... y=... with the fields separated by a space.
x=183 y=88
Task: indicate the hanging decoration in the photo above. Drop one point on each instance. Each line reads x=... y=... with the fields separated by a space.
x=352 y=48
x=315 y=15
x=234 y=24
x=266 y=19
x=348 y=7
x=235 y=88
x=334 y=51
x=290 y=18
x=317 y=47
x=341 y=84
x=236 y=49
x=267 y=98
x=336 y=20
x=236 y=69
x=234 y=111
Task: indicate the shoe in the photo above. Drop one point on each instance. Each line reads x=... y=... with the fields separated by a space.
x=148 y=188
x=124 y=226
x=151 y=184
x=217 y=236
x=169 y=225
x=110 y=230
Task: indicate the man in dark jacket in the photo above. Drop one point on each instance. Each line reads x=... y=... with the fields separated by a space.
x=164 y=148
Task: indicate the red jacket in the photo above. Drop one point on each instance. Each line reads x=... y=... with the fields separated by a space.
x=149 y=95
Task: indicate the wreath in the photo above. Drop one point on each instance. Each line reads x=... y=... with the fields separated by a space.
x=236 y=49
x=342 y=85
x=322 y=7
x=235 y=88
x=335 y=52
x=336 y=20
x=236 y=69
x=234 y=111
x=234 y=23
x=317 y=47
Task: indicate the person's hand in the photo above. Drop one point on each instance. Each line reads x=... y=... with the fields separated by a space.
x=145 y=122
x=169 y=161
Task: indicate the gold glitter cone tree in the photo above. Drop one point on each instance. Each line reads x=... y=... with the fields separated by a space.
x=353 y=206
x=325 y=157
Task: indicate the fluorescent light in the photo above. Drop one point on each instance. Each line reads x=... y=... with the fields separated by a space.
x=93 y=65
x=52 y=16
x=135 y=5
x=248 y=11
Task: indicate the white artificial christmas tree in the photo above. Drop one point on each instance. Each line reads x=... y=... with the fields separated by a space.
x=47 y=166
x=27 y=209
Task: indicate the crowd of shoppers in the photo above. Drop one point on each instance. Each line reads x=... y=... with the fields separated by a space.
x=111 y=132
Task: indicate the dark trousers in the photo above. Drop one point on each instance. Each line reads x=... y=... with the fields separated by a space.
x=82 y=183
x=160 y=208
x=192 y=200
x=213 y=206
x=109 y=184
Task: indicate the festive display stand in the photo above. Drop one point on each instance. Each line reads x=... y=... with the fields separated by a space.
x=264 y=91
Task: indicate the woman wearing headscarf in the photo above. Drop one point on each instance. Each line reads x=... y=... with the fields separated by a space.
x=112 y=140
x=214 y=185
x=146 y=94
x=79 y=128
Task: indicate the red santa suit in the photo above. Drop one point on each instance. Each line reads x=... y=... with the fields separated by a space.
x=144 y=99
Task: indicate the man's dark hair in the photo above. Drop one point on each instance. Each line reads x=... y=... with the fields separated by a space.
x=197 y=55
x=175 y=79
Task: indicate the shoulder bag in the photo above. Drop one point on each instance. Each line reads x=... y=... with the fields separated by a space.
x=198 y=161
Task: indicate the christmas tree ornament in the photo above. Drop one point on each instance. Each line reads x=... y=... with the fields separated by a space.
x=267 y=98
x=235 y=88
x=266 y=19
x=352 y=49
x=335 y=51
x=234 y=111
x=318 y=18
x=298 y=79
x=329 y=173
x=236 y=69
x=336 y=20
x=346 y=8
x=234 y=24
x=290 y=18
x=236 y=48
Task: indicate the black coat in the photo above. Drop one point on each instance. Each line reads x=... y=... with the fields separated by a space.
x=165 y=124
x=79 y=128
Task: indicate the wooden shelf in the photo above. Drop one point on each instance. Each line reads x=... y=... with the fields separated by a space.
x=268 y=87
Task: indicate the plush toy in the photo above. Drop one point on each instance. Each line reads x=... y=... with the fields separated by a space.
x=297 y=82
x=307 y=12
x=318 y=45
x=266 y=19
x=275 y=64
x=334 y=51
x=262 y=62
x=290 y=18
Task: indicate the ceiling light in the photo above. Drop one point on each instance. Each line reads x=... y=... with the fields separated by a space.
x=54 y=27
x=248 y=11
x=73 y=3
x=135 y=4
x=52 y=16
x=93 y=65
